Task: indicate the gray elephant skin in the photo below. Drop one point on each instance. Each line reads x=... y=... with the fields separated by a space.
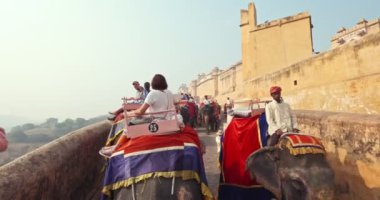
x=289 y=177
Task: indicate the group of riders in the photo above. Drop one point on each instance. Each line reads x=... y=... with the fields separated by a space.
x=207 y=113
x=193 y=113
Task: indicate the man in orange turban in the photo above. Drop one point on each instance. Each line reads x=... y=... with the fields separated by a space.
x=275 y=89
x=280 y=117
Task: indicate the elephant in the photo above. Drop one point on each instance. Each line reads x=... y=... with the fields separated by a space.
x=154 y=167
x=289 y=177
x=207 y=117
x=160 y=188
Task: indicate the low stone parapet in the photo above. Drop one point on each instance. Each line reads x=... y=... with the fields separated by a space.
x=66 y=168
x=353 y=145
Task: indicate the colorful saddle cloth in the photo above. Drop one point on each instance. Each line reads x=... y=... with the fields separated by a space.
x=299 y=144
x=168 y=156
x=242 y=137
x=116 y=130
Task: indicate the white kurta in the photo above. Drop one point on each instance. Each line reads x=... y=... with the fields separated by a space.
x=280 y=116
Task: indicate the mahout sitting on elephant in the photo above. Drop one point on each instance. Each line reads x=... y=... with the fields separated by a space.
x=294 y=169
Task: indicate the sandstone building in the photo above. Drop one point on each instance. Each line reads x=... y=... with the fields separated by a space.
x=362 y=28
x=335 y=93
x=280 y=52
x=270 y=46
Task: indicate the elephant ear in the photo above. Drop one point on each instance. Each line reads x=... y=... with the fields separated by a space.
x=263 y=166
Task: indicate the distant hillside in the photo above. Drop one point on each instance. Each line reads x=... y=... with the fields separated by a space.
x=49 y=130
x=26 y=137
x=9 y=121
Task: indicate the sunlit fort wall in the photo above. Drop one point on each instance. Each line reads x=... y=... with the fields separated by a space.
x=335 y=93
x=362 y=28
x=269 y=46
x=343 y=79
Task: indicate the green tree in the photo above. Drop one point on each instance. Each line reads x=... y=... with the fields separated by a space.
x=51 y=122
x=17 y=135
x=28 y=126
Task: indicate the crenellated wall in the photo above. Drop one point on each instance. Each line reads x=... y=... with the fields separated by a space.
x=206 y=87
x=220 y=84
x=362 y=28
x=209 y=84
x=345 y=79
x=352 y=142
x=67 y=168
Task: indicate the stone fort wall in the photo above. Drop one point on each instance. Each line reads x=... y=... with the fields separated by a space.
x=335 y=94
x=343 y=79
x=272 y=45
x=353 y=149
x=336 y=98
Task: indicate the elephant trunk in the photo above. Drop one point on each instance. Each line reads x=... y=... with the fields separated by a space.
x=323 y=194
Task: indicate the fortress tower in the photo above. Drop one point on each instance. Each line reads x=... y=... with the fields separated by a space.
x=273 y=45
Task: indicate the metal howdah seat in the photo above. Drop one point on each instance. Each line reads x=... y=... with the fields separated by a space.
x=132 y=103
x=249 y=108
x=157 y=123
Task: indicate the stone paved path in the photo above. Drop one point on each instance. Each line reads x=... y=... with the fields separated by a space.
x=210 y=159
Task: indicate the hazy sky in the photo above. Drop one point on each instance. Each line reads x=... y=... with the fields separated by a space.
x=77 y=58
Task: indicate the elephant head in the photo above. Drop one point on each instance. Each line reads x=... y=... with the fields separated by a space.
x=288 y=177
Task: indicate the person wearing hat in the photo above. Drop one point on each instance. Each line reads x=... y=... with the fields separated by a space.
x=279 y=116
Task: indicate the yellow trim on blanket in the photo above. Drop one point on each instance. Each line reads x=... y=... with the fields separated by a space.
x=110 y=140
x=259 y=132
x=185 y=175
x=303 y=150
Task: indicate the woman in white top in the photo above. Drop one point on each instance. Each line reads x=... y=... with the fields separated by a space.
x=158 y=99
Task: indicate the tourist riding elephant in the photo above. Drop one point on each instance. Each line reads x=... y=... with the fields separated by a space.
x=154 y=167
x=302 y=177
